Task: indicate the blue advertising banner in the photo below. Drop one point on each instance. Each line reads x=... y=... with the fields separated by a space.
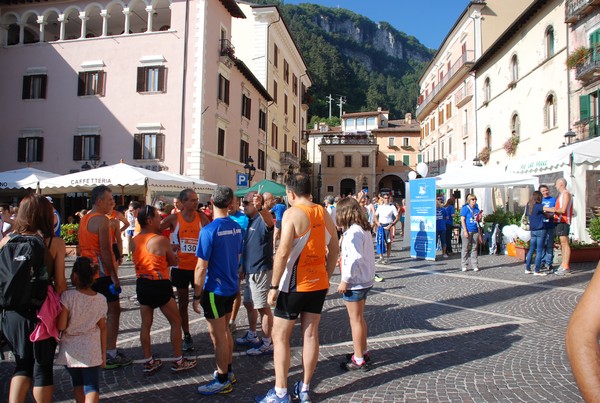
x=422 y=218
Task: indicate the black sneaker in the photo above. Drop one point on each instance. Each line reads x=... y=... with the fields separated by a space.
x=188 y=343
x=119 y=361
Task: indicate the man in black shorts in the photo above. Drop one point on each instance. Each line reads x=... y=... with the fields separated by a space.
x=302 y=266
x=216 y=284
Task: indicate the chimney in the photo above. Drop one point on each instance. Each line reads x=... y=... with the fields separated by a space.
x=408 y=118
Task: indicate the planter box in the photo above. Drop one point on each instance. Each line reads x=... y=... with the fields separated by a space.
x=521 y=252
x=72 y=250
x=585 y=255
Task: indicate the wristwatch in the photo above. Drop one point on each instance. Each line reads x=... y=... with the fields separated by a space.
x=274 y=287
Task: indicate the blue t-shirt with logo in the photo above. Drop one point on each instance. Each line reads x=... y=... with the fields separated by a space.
x=450 y=210
x=278 y=209
x=549 y=202
x=440 y=219
x=470 y=215
x=220 y=244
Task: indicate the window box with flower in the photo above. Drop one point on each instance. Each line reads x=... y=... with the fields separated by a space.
x=510 y=145
x=70 y=234
x=484 y=154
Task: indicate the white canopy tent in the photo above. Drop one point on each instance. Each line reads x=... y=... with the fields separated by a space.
x=24 y=178
x=124 y=179
x=482 y=179
x=573 y=163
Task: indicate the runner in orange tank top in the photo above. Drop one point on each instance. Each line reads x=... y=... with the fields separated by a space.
x=94 y=242
x=304 y=262
x=152 y=256
x=185 y=229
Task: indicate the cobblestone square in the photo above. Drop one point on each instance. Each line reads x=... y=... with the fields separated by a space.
x=435 y=334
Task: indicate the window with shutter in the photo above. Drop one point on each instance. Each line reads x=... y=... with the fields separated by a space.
x=406 y=160
x=137 y=146
x=151 y=79
x=30 y=149
x=90 y=83
x=221 y=141
x=34 y=86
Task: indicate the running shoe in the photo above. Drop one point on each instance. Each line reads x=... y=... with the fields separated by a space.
x=271 y=397
x=215 y=387
x=152 y=366
x=248 y=340
x=183 y=365
x=445 y=255
x=188 y=343
x=230 y=376
x=540 y=273
x=475 y=268
x=353 y=366
x=297 y=394
x=263 y=349
x=367 y=357
x=385 y=261
x=527 y=271
x=378 y=278
x=561 y=271
x=118 y=361
x=464 y=269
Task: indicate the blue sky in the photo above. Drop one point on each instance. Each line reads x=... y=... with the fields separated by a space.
x=427 y=20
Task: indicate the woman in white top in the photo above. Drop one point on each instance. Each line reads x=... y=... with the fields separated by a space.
x=358 y=276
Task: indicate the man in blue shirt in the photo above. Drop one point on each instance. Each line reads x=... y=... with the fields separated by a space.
x=469 y=228
x=548 y=201
x=216 y=283
x=278 y=210
x=257 y=265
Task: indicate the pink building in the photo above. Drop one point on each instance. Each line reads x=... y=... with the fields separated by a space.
x=155 y=83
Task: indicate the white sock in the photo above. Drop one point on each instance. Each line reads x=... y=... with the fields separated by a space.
x=179 y=359
x=251 y=333
x=266 y=341
x=358 y=361
x=280 y=392
x=305 y=387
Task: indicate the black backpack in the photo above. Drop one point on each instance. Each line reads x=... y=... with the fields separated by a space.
x=23 y=274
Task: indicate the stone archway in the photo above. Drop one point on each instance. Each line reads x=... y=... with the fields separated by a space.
x=394 y=183
x=347 y=186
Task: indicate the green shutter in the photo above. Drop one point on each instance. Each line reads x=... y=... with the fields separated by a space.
x=594 y=45
x=584 y=107
x=406 y=160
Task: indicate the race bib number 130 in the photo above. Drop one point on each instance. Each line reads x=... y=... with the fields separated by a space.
x=187 y=246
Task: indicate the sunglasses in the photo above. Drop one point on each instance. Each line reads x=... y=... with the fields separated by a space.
x=245 y=202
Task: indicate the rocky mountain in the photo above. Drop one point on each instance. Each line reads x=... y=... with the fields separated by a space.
x=370 y=64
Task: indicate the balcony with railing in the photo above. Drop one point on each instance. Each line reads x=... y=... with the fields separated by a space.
x=576 y=9
x=464 y=95
x=227 y=49
x=452 y=77
x=349 y=139
x=288 y=159
x=590 y=70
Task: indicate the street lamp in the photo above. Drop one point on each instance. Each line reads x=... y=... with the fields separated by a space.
x=477 y=162
x=249 y=169
x=569 y=136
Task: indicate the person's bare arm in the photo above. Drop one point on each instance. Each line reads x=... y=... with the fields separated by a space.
x=172 y=259
x=199 y=277
x=168 y=222
x=203 y=218
x=58 y=252
x=264 y=212
x=106 y=254
x=582 y=341
x=463 y=225
x=333 y=247
x=565 y=205
x=63 y=319
x=102 y=325
x=288 y=233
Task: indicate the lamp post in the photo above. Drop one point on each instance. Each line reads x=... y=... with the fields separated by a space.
x=569 y=136
x=249 y=169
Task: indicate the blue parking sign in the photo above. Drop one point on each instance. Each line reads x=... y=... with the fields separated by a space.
x=242 y=180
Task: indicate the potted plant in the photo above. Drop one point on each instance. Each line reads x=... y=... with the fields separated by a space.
x=484 y=154
x=70 y=234
x=594 y=229
x=510 y=145
x=522 y=247
x=578 y=57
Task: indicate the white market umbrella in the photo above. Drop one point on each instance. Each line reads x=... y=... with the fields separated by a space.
x=482 y=177
x=24 y=178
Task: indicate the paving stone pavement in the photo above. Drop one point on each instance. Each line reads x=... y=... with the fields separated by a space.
x=436 y=334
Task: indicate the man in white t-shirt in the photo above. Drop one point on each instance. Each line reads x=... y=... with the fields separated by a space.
x=386 y=216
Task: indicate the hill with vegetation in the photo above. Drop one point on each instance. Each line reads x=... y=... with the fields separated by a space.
x=370 y=64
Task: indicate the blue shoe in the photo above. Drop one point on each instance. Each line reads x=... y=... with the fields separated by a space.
x=271 y=397
x=215 y=387
x=302 y=397
x=230 y=376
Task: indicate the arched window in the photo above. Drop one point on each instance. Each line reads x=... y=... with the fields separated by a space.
x=515 y=124
x=488 y=138
x=487 y=90
x=514 y=68
x=550 y=112
x=549 y=41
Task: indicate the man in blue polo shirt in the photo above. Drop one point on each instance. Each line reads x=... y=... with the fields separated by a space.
x=548 y=201
x=216 y=283
x=257 y=265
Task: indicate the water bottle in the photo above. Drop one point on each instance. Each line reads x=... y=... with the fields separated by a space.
x=114 y=290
